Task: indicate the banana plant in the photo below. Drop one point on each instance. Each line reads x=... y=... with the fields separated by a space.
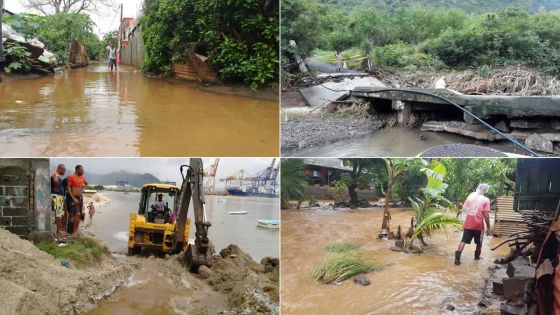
x=432 y=211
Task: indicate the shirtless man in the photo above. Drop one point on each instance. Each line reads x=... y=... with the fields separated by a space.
x=57 y=195
x=75 y=188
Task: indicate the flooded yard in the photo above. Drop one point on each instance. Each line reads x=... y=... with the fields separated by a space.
x=405 y=284
x=93 y=112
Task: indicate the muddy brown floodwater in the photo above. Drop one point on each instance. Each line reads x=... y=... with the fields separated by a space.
x=406 y=283
x=92 y=112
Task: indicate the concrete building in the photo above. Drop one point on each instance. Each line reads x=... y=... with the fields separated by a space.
x=25 y=201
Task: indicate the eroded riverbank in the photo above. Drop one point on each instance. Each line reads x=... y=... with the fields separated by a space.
x=93 y=112
x=406 y=283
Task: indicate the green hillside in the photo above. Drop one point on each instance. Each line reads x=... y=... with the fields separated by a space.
x=471 y=6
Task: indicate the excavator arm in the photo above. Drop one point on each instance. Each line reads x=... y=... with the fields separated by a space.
x=200 y=253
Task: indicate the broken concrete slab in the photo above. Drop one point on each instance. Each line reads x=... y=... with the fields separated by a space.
x=539 y=143
x=483 y=106
x=519 y=267
x=335 y=91
x=479 y=132
x=527 y=124
x=554 y=137
x=502 y=126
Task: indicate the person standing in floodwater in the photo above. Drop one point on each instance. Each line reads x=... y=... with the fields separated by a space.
x=91 y=211
x=477 y=208
x=112 y=56
x=76 y=185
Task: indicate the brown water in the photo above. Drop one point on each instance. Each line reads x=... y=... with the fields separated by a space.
x=406 y=284
x=92 y=112
x=396 y=142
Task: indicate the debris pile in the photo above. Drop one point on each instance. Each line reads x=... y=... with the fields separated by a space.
x=526 y=284
x=512 y=80
x=43 y=61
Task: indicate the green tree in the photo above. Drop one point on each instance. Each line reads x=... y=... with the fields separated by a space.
x=395 y=167
x=292 y=181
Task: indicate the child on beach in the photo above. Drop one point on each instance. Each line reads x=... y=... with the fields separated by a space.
x=91 y=210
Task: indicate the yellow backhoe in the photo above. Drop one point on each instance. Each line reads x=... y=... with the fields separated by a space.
x=162 y=222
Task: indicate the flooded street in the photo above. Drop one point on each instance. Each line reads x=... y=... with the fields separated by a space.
x=111 y=221
x=406 y=283
x=93 y=112
x=394 y=142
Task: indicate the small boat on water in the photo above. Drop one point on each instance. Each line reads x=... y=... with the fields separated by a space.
x=238 y=212
x=269 y=224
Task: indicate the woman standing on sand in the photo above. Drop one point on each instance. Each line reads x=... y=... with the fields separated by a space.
x=91 y=210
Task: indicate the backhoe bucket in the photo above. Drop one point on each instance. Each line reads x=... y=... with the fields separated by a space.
x=195 y=259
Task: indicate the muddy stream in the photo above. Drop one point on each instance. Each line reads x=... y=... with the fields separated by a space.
x=163 y=286
x=395 y=142
x=93 y=112
x=406 y=283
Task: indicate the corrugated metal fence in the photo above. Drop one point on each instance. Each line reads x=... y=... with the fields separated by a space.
x=133 y=53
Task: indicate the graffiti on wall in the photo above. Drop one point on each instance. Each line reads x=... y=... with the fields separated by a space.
x=42 y=198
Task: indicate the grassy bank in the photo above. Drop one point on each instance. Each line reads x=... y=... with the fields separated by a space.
x=83 y=253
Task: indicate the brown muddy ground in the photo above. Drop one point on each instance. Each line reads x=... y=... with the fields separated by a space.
x=93 y=112
x=406 y=283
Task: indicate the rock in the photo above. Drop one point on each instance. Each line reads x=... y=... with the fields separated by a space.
x=513 y=309
x=539 y=143
x=502 y=126
x=450 y=307
x=515 y=288
x=493 y=309
x=396 y=249
x=479 y=132
x=399 y=243
x=362 y=280
x=527 y=124
x=204 y=272
x=270 y=263
x=517 y=263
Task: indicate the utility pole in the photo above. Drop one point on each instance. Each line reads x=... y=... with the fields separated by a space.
x=120 y=35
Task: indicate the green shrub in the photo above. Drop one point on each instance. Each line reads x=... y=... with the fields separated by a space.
x=83 y=253
x=342 y=247
x=240 y=37
x=337 y=268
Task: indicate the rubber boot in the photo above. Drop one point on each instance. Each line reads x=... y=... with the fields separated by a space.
x=457 y=257
x=477 y=255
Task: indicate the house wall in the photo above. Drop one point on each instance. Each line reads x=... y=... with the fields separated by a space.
x=25 y=202
x=133 y=53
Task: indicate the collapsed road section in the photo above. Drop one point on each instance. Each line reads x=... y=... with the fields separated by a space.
x=328 y=108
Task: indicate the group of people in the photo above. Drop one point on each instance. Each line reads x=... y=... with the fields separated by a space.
x=68 y=201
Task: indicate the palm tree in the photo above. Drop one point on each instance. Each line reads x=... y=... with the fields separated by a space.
x=394 y=168
x=292 y=181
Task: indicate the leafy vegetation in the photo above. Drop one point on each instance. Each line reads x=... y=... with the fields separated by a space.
x=432 y=211
x=83 y=253
x=57 y=31
x=417 y=36
x=292 y=181
x=240 y=37
x=337 y=268
x=18 y=58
